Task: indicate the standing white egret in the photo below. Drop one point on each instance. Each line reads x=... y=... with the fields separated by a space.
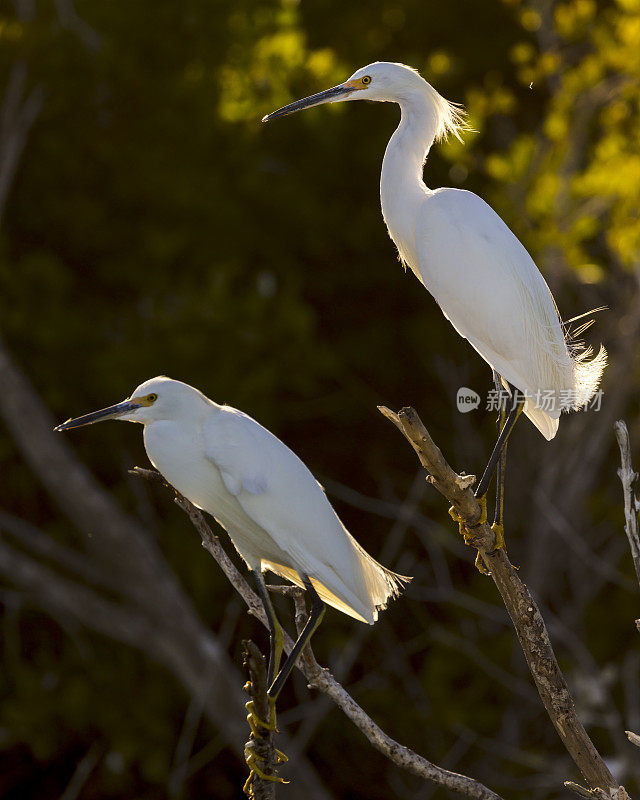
x=481 y=276
x=275 y=512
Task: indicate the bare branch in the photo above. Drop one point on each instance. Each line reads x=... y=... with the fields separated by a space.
x=522 y=608
x=631 y=504
x=66 y=558
x=402 y=756
x=577 y=789
x=82 y=772
x=320 y=678
x=184 y=746
x=475 y=655
x=633 y=738
x=597 y=794
x=16 y=118
x=70 y=20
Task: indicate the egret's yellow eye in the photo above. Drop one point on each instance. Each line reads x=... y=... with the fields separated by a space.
x=366 y=80
x=152 y=397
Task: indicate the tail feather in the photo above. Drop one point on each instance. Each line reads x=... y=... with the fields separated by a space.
x=380 y=583
x=369 y=590
x=559 y=363
x=587 y=373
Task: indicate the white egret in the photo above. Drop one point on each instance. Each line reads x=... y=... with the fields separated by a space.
x=275 y=512
x=481 y=276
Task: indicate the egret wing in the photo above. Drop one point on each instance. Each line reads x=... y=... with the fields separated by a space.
x=302 y=531
x=489 y=288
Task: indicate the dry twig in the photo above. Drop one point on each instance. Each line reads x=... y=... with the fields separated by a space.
x=633 y=738
x=631 y=504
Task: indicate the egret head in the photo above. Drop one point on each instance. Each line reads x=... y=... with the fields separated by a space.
x=383 y=81
x=155 y=399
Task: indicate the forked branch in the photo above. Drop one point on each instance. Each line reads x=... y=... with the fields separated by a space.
x=320 y=678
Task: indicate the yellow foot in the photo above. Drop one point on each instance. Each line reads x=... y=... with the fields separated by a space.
x=467 y=533
x=255 y=772
x=482 y=502
x=480 y=565
x=256 y=722
x=461 y=526
x=498 y=530
x=500 y=543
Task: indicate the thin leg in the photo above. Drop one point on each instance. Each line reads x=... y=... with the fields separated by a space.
x=500 y=476
x=502 y=461
x=514 y=413
x=497 y=526
x=315 y=618
x=275 y=629
x=501 y=473
x=497 y=463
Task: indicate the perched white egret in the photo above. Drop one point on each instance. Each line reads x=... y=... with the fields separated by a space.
x=275 y=512
x=481 y=276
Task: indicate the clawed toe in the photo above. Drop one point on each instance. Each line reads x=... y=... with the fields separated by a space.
x=256 y=722
x=255 y=771
x=467 y=533
x=480 y=565
x=498 y=530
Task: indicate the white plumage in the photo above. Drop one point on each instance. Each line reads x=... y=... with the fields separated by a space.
x=276 y=513
x=481 y=276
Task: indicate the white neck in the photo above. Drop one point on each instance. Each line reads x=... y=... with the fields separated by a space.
x=401 y=183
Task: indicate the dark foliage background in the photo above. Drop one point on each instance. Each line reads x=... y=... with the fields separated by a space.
x=154 y=226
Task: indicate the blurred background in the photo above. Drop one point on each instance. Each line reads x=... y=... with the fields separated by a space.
x=152 y=225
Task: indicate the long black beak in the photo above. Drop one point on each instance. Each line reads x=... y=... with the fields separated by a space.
x=328 y=96
x=112 y=412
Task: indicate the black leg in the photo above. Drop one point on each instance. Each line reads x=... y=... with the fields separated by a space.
x=275 y=629
x=500 y=476
x=502 y=461
x=315 y=618
x=514 y=413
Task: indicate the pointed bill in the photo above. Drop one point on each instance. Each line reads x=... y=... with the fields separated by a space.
x=332 y=95
x=112 y=412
